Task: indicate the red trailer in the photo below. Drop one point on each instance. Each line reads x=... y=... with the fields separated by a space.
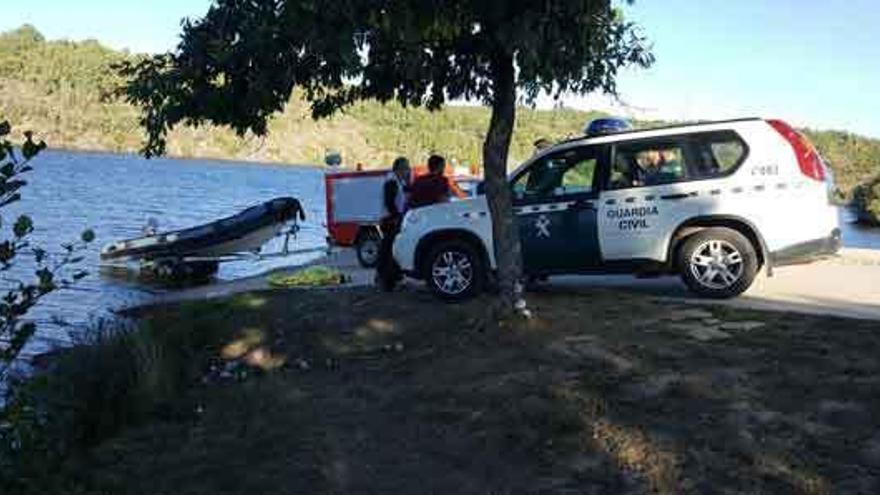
x=354 y=208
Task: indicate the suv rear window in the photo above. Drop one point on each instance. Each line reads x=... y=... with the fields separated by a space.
x=673 y=159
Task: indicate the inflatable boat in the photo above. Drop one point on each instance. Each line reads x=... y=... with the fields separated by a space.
x=245 y=232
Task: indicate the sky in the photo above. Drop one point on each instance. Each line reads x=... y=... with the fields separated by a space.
x=812 y=62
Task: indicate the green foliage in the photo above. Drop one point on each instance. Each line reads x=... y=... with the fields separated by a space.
x=62 y=67
x=59 y=87
x=20 y=418
x=116 y=376
x=367 y=132
x=239 y=64
x=50 y=272
x=854 y=159
x=866 y=201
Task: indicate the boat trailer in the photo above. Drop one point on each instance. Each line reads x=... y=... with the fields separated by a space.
x=196 y=252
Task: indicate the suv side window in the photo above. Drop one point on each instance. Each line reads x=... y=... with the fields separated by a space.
x=649 y=163
x=720 y=153
x=566 y=172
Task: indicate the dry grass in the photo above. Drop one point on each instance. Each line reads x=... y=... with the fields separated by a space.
x=605 y=392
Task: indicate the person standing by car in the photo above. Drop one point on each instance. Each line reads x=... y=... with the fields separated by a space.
x=432 y=187
x=394 y=201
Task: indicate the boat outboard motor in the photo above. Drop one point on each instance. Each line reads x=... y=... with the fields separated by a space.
x=152 y=226
x=286 y=209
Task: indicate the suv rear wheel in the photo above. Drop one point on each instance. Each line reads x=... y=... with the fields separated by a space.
x=718 y=263
x=455 y=270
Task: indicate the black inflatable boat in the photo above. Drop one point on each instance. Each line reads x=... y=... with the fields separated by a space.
x=244 y=232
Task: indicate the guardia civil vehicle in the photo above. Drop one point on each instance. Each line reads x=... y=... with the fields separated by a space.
x=712 y=202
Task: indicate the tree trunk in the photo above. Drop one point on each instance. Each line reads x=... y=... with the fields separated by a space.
x=495 y=149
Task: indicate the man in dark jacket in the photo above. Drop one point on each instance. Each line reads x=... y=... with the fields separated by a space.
x=394 y=201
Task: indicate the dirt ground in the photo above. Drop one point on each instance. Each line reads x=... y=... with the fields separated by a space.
x=603 y=392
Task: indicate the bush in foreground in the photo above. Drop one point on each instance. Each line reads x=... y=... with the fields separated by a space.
x=119 y=375
x=866 y=201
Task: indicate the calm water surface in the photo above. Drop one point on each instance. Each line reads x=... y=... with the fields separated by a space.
x=116 y=194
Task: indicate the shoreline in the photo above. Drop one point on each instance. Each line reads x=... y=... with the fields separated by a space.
x=796 y=289
x=229 y=161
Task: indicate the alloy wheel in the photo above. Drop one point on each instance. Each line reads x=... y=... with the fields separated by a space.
x=452 y=272
x=716 y=264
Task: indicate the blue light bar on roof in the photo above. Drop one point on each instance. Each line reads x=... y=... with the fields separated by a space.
x=608 y=125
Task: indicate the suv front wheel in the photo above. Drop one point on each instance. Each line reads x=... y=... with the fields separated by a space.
x=718 y=263
x=455 y=270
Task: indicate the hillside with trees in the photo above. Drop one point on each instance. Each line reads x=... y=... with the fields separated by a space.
x=62 y=88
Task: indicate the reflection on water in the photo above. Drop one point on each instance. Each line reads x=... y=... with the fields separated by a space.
x=856 y=235
x=117 y=194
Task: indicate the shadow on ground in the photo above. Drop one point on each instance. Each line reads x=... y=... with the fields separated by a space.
x=604 y=392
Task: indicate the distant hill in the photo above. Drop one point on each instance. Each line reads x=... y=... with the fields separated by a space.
x=56 y=87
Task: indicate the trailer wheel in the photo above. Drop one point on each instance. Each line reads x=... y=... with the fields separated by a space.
x=367 y=247
x=176 y=271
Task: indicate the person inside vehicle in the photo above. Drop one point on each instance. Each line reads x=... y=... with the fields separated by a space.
x=672 y=167
x=649 y=163
x=394 y=201
x=432 y=187
x=659 y=167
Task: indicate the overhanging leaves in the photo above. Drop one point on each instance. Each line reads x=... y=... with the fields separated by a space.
x=239 y=64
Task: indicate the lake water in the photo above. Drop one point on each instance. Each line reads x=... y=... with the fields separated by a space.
x=115 y=195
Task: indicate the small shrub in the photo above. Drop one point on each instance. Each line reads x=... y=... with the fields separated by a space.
x=866 y=201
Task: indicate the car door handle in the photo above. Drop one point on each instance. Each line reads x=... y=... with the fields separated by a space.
x=679 y=196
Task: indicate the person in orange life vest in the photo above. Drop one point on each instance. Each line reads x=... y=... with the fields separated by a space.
x=432 y=187
x=394 y=201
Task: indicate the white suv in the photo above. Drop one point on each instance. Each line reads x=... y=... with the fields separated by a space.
x=713 y=202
